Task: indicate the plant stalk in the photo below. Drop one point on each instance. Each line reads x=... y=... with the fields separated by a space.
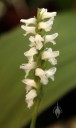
x=36 y=108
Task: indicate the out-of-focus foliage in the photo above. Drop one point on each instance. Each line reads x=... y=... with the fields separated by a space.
x=68 y=124
x=64 y=4
x=13 y=111
x=36 y=2
x=60 y=4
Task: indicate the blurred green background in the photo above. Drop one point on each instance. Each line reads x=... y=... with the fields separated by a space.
x=13 y=111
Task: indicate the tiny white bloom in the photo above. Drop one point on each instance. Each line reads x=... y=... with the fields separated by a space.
x=41 y=73
x=50 y=38
x=46 y=25
x=44 y=14
x=36 y=41
x=30 y=53
x=42 y=11
x=29 y=103
x=50 y=73
x=32 y=41
x=28 y=29
x=48 y=15
x=31 y=94
x=50 y=56
x=28 y=66
x=30 y=97
x=29 y=84
x=28 y=21
x=45 y=74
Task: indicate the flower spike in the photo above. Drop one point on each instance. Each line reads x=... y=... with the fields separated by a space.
x=36 y=74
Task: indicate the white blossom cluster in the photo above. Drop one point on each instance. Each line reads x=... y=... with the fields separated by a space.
x=38 y=52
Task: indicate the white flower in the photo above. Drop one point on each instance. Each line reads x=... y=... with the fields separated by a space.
x=42 y=11
x=30 y=53
x=30 y=97
x=44 y=75
x=29 y=103
x=46 y=25
x=28 y=67
x=50 y=38
x=50 y=73
x=29 y=21
x=28 y=29
x=30 y=83
x=41 y=73
x=36 y=41
x=44 y=14
x=50 y=56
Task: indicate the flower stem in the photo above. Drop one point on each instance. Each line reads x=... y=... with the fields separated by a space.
x=36 y=107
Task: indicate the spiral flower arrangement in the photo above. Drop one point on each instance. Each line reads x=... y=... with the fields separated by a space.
x=39 y=54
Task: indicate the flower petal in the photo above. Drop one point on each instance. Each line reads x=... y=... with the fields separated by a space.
x=28 y=29
x=28 y=66
x=46 y=25
x=31 y=52
x=50 y=73
x=42 y=11
x=53 y=61
x=29 y=84
x=50 y=38
x=50 y=56
x=40 y=73
x=36 y=41
x=46 y=54
x=44 y=14
x=32 y=41
x=48 y=14
x=30 y=97
x=28 y=21
x=29 y=103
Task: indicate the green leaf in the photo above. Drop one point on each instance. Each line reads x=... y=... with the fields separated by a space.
x=13 y=110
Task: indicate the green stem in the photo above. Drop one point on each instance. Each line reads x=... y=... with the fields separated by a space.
x=36 y=107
